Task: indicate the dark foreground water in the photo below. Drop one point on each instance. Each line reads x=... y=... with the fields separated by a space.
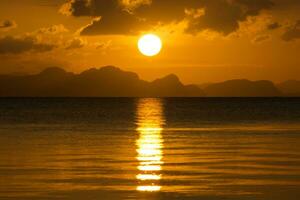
x=150 y=149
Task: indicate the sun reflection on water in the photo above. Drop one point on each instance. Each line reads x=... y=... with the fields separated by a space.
x=150 y=122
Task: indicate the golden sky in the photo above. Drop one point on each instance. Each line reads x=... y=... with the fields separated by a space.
x=203 y=40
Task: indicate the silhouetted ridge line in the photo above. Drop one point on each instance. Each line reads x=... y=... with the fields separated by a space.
x=290 y=87
x=242 y=88
x=107 y=81
x=110 y=81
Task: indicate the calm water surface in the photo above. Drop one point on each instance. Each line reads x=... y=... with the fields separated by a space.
x=151 y=149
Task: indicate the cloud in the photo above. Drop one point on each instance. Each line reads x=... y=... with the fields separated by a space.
x=132 y=16
x=273 y=26
x=286 y=4
x=18 y=45
x=261 y=38
x=117 y=23
x=76 y=43
x=103 y=45
x=57 y=35
x=254 y=25
x=225 y=16
x=53 y=30
x=41 y=40
x=77 y=8
x=7 y=25
x=110 y=17
x=292 y=32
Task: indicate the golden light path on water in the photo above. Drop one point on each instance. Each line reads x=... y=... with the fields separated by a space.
x=150 y=122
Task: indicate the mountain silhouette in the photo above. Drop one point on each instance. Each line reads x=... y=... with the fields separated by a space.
x=242 y=88
x=290 y=88
x=111 y=81
x=104 y=82
x=171 y=86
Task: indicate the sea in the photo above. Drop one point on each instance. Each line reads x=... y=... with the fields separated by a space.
x=150 y=148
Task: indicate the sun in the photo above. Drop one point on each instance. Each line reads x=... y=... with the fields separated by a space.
x=150 y=45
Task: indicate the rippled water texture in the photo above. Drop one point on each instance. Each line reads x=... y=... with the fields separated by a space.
x=150 y=149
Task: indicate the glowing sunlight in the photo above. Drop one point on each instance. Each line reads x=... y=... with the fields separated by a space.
x=150 y=45
x=149 y=144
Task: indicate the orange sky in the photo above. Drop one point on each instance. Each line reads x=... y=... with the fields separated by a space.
x=203 y=40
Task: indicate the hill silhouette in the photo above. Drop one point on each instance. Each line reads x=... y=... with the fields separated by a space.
x=290 y=88
x=242 y=88
x=104 y=82
x=111 y=81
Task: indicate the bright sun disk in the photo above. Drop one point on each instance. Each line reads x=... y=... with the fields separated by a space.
x=150 y=45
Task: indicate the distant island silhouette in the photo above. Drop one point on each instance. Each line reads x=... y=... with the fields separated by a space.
x=104 y=82
x=290 y=88
x=111 y=81
x=243 y=88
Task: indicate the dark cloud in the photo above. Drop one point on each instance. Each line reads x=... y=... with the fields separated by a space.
x=273 y=26
x=121 y=23
x=14 y=45
x=225 y=16
x=222 y=16
x=77 y=8
x=131 y=16
x=110 y=17
x=292 y=32
x=7 y=24
x=286 y=4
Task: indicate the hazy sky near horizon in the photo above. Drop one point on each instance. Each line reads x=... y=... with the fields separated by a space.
x=203 y=40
